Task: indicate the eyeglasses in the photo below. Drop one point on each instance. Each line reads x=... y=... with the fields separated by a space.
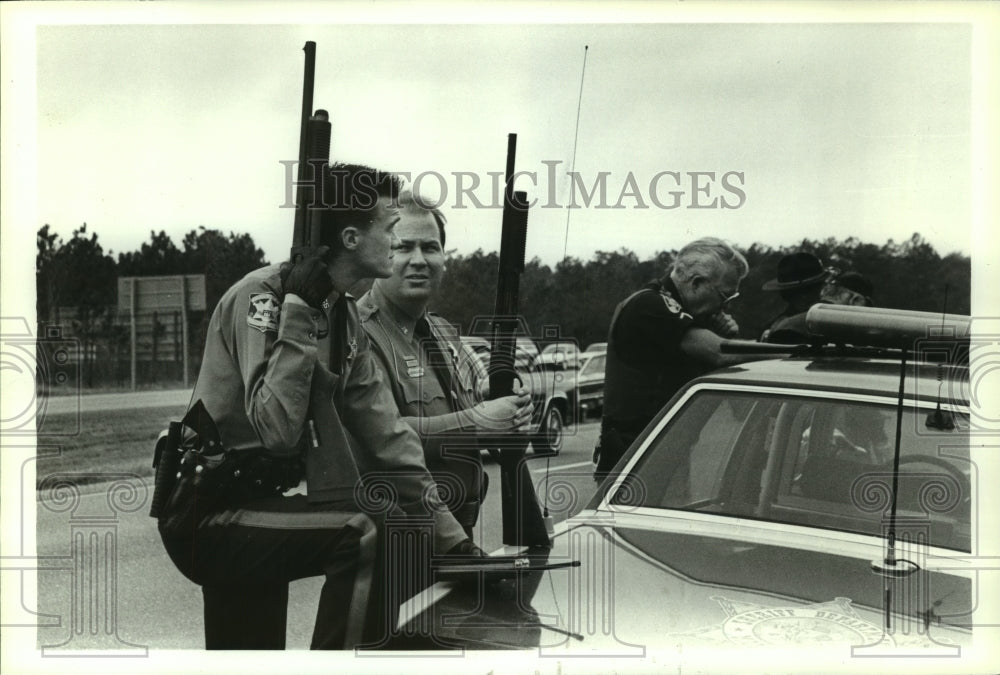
x=726 y=299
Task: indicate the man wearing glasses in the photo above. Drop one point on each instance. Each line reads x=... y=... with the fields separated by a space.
x=662 y=336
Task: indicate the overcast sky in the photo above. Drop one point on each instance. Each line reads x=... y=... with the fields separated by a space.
x=821 y=130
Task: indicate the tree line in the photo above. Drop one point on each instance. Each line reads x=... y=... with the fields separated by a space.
x=575 y=297
x=77 y=287
x=579 y=296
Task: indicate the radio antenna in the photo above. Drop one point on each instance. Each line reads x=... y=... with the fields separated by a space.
x=576 y=138
x=941 y=420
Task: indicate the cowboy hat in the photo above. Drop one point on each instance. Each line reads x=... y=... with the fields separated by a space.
x=797 y=270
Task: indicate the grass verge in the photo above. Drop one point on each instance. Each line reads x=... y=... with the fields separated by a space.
x=101 y=442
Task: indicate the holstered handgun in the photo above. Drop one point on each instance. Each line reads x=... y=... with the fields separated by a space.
x=196 y=476
x=166 y=460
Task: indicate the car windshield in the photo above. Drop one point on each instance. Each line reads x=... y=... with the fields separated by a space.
x=818 y=462
x=594 y=364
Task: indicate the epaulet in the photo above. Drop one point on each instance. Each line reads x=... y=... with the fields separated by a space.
x=439 y=320
x=266 y=279
x=441 y=326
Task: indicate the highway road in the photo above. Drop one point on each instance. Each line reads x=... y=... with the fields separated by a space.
x=104 y=581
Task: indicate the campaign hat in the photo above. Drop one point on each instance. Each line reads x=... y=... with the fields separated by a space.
x=797 y=270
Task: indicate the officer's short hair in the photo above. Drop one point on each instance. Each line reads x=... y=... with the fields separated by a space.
x=350 y=196
x=412 y=201
x=708 y=257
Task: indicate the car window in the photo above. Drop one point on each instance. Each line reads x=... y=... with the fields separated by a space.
x=808 y=461
x=595 y=364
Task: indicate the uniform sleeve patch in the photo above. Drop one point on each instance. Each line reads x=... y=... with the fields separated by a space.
x=264 y=312
x=673 y=306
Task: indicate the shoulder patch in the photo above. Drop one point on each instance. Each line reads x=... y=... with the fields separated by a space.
x=673 y=306
x=264 y=312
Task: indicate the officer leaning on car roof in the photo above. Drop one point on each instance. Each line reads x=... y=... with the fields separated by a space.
x=434 y=378
x=285 y=351
x=662 y=336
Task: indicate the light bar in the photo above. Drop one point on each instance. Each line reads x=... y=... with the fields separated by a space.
x=882 y=327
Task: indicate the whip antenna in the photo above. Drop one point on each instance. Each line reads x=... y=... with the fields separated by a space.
x=576 y=137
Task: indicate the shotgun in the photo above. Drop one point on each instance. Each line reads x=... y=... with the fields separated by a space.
x=523 y=524
x=325 y=436
x=314 y=155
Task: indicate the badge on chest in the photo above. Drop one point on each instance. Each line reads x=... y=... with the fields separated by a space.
x=413 y=367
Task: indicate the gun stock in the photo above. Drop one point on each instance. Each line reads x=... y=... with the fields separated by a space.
x=523 y=524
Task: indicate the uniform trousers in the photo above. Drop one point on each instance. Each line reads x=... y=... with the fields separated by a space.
x=245 y=557
x=613 y=443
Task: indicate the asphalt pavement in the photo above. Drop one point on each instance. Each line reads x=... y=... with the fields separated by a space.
x=104 y=581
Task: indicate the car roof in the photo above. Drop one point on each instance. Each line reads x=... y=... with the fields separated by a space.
x=851 y=374
x=561 y=344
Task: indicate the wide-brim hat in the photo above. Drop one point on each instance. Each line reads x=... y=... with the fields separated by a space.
x=797 y=270
x=854 y=282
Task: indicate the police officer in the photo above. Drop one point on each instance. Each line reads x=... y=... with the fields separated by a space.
x=435 y=380
x=662 y=336
x=800 y=280
x=848 y=288
x=287 y=372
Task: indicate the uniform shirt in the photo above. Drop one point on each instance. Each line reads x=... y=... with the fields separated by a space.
x=645 y=364
x=426 y=388
x=268 y=368
x=787 y=328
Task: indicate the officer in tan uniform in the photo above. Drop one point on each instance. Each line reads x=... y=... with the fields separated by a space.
x=436 y=381
x=287 y=372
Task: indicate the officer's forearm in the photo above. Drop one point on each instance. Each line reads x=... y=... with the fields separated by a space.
x=705 y=346
x=394 y=448
x=278 y=395
x=437 y=424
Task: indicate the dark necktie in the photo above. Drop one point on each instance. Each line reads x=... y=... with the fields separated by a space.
x=435 y=353
x=339 y=347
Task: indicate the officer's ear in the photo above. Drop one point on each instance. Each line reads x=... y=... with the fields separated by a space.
x=350 y=237
x=697 y=281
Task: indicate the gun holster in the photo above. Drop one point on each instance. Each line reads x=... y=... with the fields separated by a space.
x=196 y=476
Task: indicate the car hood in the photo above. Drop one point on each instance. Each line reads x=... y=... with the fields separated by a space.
x=640 y=587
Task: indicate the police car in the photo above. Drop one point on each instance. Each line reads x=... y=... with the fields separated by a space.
x=822 y=498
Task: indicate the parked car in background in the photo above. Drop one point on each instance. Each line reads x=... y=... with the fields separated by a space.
x=561 y=355
x=551 y=388
x=480 y=347
x=590 y=384
x=525 y=351
x=819 y=500
x=596 y=347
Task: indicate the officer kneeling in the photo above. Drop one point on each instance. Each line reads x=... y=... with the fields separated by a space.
x=286 y=374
